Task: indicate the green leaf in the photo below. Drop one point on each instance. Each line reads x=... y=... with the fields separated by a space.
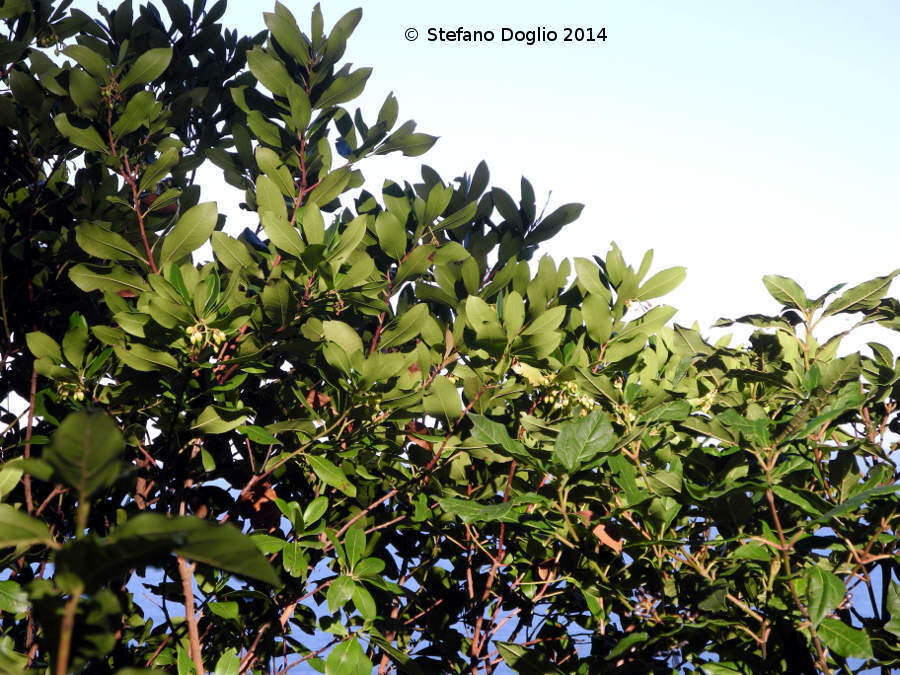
x=190 y=232
x=418 y=260
x=493 y=433
x=343 y=89
x=85 y=92
x=348 y=658
x=588 y=276
x=148 y=66
x=269 y=71
x=88 y=59
x=412 y=145
x=457 y=218
x=140 y=110
x=893 y=608
x=42 y=346
x=117 y=279
x=184 y=663
x=142 y=358
x=348 y=240
x=864 y=296
x=300 y=108
x=597 y=318
x=661 y=283
x=282 y=234
x=470 y=511
x=405 y=327
x=85 y=451
x=824 y=592
x=12 y=598
x=225 y=610
x=219 y=420
x=10 y=475
x=228 y=663
x=155 y=172
x=786 y=291
x=355 y=544
x=391 y=234
x=230 y=251
x=505 y=205
x=845 y=640
x=339 y=592
x=553 y=223
x=343 y=335
x=288 y=35
x=270 y=164
x=442 y=400
x=331 y=475
x=364 y=602
x=75 y=340
x=525 y=661
x=752 y=552
x=794 y=498
x=276 y=299
x=17 y=528
x=389 y=111
x=83 y=137
x=100 y=242
x=581 y=439
x=315 y=510
x=549 y=320
x=858 y=500
x=313 y=223
x=294 y=559
x=331 y=186
x=665 y=483
x=258 y=435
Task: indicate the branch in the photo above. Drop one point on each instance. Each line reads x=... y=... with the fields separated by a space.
x=193 y=633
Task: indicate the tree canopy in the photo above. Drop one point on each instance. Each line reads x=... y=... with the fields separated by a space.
x=377 y=431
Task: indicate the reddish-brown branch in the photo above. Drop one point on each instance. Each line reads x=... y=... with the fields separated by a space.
x=29 y=427
x=159 y=649
x=190 y=617
x=251 y=655
x=311 y=655
x=129 y=177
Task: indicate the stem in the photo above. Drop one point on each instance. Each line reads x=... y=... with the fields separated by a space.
x=66 y=628
x=29 y=426
x=67 y=623
x=185 y=571
x=129 y=178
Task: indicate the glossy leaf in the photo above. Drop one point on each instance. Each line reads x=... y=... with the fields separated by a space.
x=85 y=451
x=193 y=229
x=20 y=529
x=580 y=440
x=331 y=475
x=844 y=640
x=147 y=67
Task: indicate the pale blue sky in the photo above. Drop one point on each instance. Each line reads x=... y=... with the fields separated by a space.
x=737 y=139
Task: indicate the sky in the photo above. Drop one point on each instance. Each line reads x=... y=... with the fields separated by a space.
x=737 y=139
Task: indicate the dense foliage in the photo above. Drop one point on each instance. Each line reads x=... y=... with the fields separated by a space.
x=369 y=433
